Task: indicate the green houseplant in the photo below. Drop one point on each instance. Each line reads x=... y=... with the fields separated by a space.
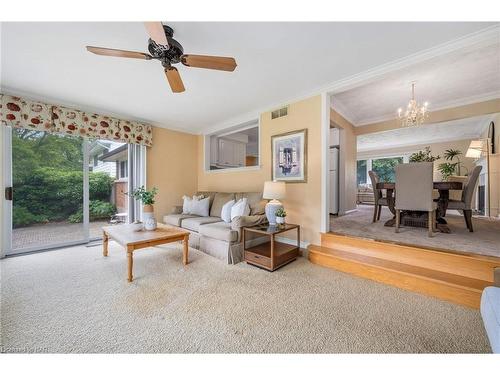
x=451 y=168
x=280 y=215
x=147 y=197
x=423 y=155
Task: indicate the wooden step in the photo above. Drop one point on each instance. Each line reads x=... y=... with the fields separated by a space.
x=467 y=265
x=447 y=286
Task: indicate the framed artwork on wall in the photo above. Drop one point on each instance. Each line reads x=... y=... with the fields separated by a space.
x=289 y=156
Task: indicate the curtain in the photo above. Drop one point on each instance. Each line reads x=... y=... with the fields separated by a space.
x=23 y=113
x=136 y=179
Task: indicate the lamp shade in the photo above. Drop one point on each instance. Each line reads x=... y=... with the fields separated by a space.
x=473 y=153
x=274 y=190
x=476 y=149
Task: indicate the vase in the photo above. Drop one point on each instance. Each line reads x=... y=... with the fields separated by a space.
x=280 y=220
x=148 y=217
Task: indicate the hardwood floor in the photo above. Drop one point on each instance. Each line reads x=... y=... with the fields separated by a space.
x=454 y=277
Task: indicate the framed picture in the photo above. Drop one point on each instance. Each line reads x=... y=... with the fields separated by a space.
x=289 y=156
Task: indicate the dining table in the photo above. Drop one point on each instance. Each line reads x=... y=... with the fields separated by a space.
x=443 y=187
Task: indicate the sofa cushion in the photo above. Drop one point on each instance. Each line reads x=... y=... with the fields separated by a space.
x=219 y=200
x=176 y=219
x=490 y=312
x=195 y=223
x=255 y=202
x=219 y=231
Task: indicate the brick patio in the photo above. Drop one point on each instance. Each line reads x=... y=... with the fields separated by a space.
x=53 y=233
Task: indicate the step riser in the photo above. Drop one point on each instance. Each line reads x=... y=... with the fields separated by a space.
x=449 y=293
x=440 y=261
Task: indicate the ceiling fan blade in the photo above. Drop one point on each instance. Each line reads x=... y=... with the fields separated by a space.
x=118 y=53
x=156 y=32
x=174 y=79
x=209 y=62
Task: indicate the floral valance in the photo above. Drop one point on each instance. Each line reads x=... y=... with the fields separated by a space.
x=22 y=113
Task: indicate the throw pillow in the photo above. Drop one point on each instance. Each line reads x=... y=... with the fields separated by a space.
x=186 y=205
x=240 y=208
x=188 y=202
x=200 y=207
x=226 y=211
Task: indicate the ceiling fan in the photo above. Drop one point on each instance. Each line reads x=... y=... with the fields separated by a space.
x=163 y=47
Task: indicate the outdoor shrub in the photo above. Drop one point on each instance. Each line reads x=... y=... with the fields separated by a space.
x=57 y=194
x=21 y=217
x=97 y=210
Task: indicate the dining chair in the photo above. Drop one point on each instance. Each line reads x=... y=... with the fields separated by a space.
x=378 y=198
x=414 y=187
x=465 y=204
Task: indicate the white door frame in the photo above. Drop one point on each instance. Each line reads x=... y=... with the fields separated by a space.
x=6 y=182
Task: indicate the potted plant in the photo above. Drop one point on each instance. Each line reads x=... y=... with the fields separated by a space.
x=451 y=168
x=148 y=199
x=280 y=215
x=452 y=154
x=447 y=170
x=423 y=155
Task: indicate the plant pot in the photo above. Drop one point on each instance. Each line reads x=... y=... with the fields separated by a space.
x=280 y=220
x=148 y=217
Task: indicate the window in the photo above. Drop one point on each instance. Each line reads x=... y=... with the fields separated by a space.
x=123 y=169
x=384 y=168
x=96 y=160
x=233 y=148
x=361 y=172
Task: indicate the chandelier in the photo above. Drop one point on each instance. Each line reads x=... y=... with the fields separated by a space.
x=415 y=114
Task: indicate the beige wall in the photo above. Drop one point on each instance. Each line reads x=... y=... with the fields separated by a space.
x=449 y=114
x=436 y=149
x=348 y=146
x=303 y=200
x=172 y=167
x=495 y=185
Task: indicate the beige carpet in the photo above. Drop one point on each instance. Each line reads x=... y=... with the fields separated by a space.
x=485 y=239
x=74 y=300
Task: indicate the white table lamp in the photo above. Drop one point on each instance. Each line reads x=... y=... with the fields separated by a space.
x=273 y=190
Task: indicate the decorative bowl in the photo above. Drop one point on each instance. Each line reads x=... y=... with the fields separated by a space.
x=137 y=226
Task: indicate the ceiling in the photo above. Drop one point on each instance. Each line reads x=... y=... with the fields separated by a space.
x=461 y=77
x=468 y=128
x=276 y=61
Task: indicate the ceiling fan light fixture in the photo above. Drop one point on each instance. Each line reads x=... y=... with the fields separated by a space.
x=163 y=47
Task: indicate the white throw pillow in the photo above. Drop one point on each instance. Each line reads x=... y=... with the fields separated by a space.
x=240 y=208
x=187 y=203
x=200 y=207
x=226 y=211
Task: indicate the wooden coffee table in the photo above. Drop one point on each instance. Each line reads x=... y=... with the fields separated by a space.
x=125 y=236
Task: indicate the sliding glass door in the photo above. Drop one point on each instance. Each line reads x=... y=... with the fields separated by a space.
x=47 y=190
x=61 y=189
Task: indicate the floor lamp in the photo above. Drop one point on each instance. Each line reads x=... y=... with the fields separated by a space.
x=476 y=150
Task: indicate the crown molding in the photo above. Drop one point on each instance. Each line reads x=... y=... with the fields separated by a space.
x=445 y=105
x=479 y=39
x=342 y=110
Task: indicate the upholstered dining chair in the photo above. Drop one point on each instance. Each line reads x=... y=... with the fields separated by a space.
x=414 y=187
x=465 y=204
x=377 y=193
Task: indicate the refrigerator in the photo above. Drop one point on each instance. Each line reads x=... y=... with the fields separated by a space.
x=334 y=180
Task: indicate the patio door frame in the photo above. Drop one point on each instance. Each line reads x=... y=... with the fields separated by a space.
x=8 y=206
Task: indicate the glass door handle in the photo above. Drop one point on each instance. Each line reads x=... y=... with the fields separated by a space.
x=8 y=193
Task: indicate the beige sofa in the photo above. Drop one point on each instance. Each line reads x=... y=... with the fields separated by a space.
x=211 y=234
